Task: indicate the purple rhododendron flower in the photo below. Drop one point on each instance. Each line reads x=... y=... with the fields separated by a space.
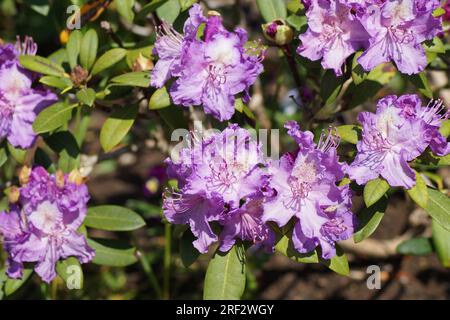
x=304 y=187
x=210 y=71
x=245 y=223
x=399 y=131
x=42 y=227
x=333 y=34
x=19 y=101
x=220 y=179
x=397 y=29
x=387 y=31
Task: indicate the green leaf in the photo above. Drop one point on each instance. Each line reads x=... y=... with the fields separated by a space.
x=415 y=247
x=420 y=81
x=66 y=146
x=382 y=74
x=188 y=253
x=445 y=128
x=150 y=7
x=441 y=241
x=330 y=87
x=338 y=263
x=369 y=219
x=125 y=9
x=86 y=96
x=134 y=79
x=438 y=207
x=294 y=6
x=173 y=116
x=114 y=253
x=160 y=99
x=419 y=193
x=88 y=50
x=297 y=22
x=3 y=279
x=40 y=6
x=359 y=94
x=73 y=47
x=186 y=4
x=3 y=156
x=272 y=9
x=17 y=153
x=225 y=277
x=56 y=82
x=285 y=246
x=358 y=73
x=117 y=126
x=133 y=54
x=113 y=218
x=435 y=46
x=41 y=65
x=42 y=159
x=439 y=12
x=374 y=190
x=169 y=10
x=65 y=269
x=53 y=117
x=12 y=285
x=108 y=59
x=348 y=133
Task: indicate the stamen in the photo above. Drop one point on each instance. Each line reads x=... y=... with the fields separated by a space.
x=328 y=140
x=27 y=47
x=433 y=111
x=167 y=33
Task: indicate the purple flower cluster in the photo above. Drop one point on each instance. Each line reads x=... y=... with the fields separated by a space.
x=220 y=179
x=19 y=101
x=224 y=179
x=386 y=30
x=399 y=131
x=210 y=70
x=42 y=226
x=304 y=186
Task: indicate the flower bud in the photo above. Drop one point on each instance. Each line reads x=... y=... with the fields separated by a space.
x=79 y=76
x=13 y=194
x=278 y=32
x=24 y=175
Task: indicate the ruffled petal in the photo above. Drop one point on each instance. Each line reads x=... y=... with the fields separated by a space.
x=397 y=172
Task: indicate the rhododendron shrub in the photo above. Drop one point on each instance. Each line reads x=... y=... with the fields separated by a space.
x=232 y=143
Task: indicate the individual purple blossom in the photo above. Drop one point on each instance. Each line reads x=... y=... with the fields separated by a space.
x=170 y=44
x=42 y=227
x=220 y=179
x=397 y=29
x=334 y=33
x=304 y=187
x=246 y=223
x=399 y=132
x=210 y=71
x=20 y=102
